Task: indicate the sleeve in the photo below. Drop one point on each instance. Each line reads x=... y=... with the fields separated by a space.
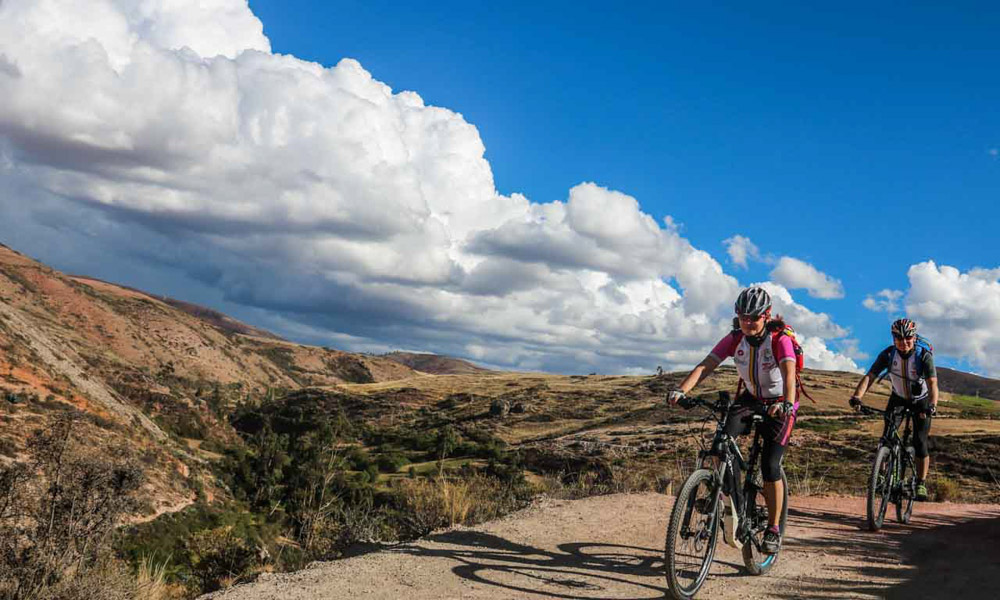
x=724 y=349
x=929 y=370
x=783 y=349
x=881 y=362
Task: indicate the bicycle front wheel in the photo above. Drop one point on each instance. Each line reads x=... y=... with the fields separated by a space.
x=692 y=534
x=907 y=487
x=757 y=562
x=879 y=487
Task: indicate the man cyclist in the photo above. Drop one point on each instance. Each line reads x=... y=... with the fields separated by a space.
x=765 y=360
x=914 y=385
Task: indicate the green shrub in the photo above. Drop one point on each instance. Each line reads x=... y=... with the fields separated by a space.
x=391 y=462
x=358 y=459
x=166 y=537
x=219 y=558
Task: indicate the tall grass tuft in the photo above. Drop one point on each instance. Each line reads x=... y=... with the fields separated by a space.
x=150 y=579
x=806 y=480
x=435 y=503
x=943 y=489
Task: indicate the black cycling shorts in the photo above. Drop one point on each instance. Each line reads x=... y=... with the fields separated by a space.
x=775 y=433
x=921 y=422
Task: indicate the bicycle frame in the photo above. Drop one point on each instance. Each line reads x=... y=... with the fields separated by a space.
x=893 y=488
x=892 y=439
x=726 y=452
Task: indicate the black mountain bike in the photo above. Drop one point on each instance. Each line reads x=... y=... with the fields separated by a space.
x=699 y=509
x=893 y=477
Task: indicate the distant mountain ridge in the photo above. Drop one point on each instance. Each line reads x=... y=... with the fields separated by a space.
x=967 y=384
x=435 y=364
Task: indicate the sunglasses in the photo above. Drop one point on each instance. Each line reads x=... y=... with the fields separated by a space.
x=899 y=337
x=751 y=318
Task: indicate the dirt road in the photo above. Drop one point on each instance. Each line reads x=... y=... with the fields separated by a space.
x=611 y=547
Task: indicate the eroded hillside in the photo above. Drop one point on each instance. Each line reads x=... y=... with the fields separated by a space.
x=159 y=375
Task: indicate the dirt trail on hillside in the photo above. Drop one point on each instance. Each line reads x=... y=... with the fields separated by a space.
x=611 y=547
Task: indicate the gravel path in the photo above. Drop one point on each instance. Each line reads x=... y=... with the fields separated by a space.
x=611 y=547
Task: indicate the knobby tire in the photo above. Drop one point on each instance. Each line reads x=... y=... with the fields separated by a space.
x=687 y=511
x=879 y=487
x=907 y=487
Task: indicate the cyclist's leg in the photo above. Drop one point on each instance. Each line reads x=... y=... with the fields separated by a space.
x=739 y=423
x=921 y=427
x=770 y=467
x=774 y=490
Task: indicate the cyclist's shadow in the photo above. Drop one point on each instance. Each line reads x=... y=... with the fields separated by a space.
x=577 y=570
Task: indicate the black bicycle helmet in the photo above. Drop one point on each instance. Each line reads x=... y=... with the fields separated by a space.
x=753 y=301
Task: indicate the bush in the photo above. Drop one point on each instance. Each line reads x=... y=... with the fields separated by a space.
x=391 y=462
x=167 y=536
x=432 y=504
x=220 y=559
x=358 y=459
x=107 y=579
x=58 y=512
x=943 y=489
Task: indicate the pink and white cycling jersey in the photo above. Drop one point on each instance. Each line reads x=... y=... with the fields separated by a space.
x=758 y=365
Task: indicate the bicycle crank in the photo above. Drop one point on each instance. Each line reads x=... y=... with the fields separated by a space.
x=731 y=525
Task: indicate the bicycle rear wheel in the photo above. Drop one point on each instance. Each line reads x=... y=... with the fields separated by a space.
x=757 y=562
x=907 y=487
x=692 y=534
x=879 y=487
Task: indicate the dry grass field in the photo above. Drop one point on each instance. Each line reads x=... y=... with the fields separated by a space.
x=623 y=421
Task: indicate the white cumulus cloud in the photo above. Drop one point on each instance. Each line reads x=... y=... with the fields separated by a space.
x=885 y=301
x=163 y=136
x=959 y=312
x=796 y=274
x=741 y=250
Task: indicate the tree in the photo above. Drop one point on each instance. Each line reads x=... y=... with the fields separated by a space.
x=446 y=442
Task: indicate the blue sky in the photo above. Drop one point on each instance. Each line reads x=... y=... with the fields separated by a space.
x=860 y=140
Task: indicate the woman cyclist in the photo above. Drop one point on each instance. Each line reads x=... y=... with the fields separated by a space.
x=765 y=359
x=914 y=384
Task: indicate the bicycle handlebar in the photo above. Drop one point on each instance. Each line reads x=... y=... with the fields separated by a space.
x=869 y=410
x=723 y=403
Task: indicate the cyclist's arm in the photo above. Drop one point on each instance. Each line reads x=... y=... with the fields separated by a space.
x=862 y=389
x=930 y=373
x=881 y=363
x=788 y=379
x=699 y=373
x=788 y=384
x=932 y=388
